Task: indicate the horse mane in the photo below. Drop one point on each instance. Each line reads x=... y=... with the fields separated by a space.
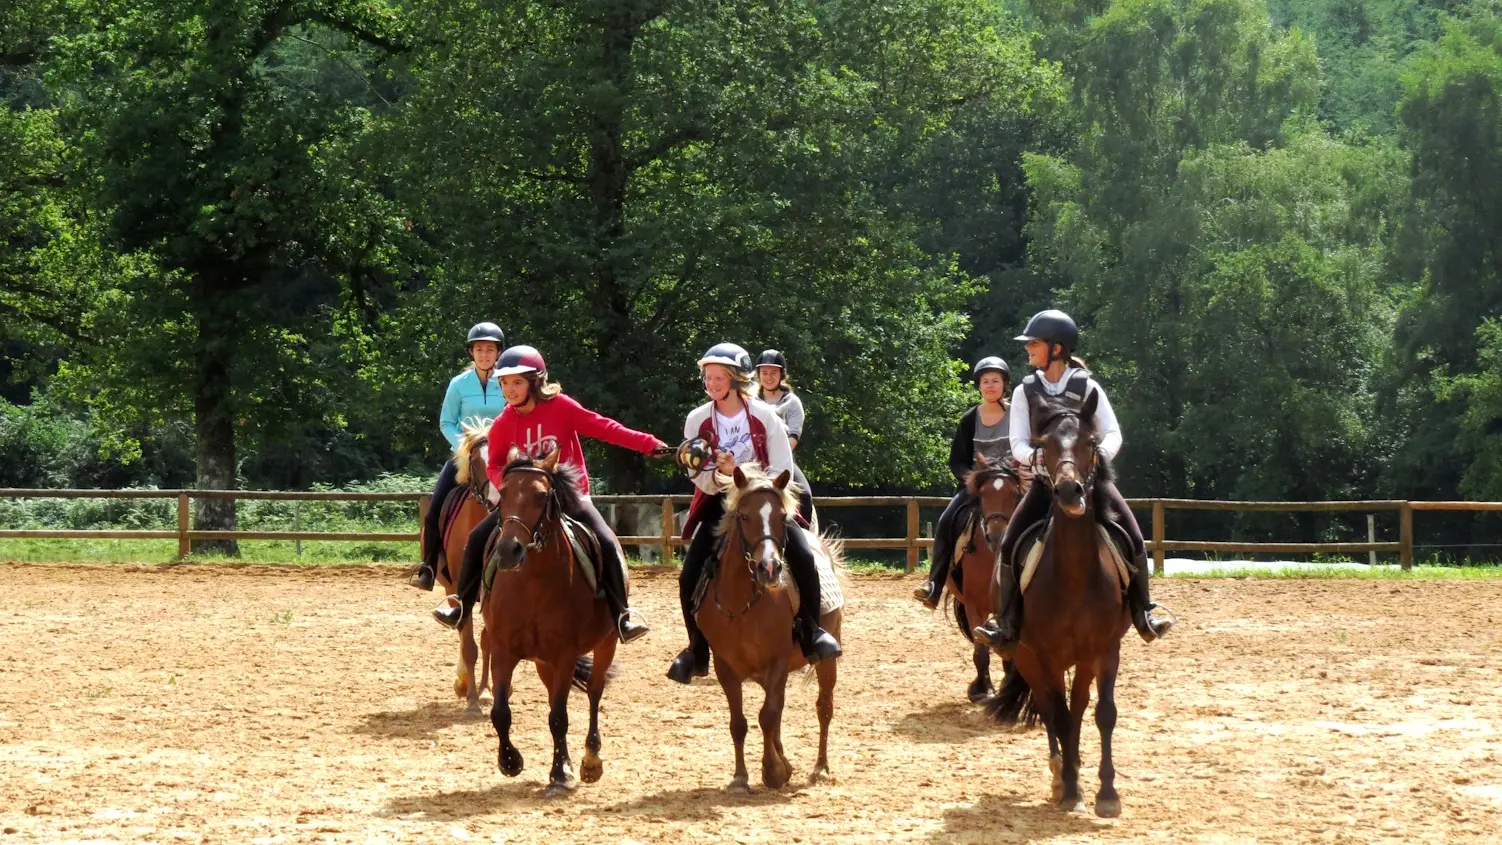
x=977 y=479
x=471 y=436
x=565 y=477
x=757 y=480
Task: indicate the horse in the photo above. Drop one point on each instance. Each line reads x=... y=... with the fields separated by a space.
x=464 y=509
x=998 y=490
x=747 y=616
x=1075 y=614
x=542 y=608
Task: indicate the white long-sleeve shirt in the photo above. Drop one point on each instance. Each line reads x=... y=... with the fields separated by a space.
x=779 y=450
x=1104 y=422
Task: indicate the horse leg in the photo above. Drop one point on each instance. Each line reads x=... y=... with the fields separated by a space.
x=1054 y=709
x=1079 y=700
x=593 y=767
x=980 y=688
x=561 y=779
x=775 y=771
x=731 y=684
x=465 y=685
x=1107 y=802
x=827 y=671
x=508 y=758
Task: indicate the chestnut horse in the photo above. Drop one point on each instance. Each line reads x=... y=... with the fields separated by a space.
x=1074 y=615
x=998 y=490
x=747 y=617
x=464 y=509
x=542 y=608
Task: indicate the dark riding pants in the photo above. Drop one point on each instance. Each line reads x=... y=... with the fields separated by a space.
x=432 y=526
x=945 y=538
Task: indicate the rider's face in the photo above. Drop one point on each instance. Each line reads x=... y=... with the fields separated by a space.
x=517 y=389
x=770 y=377
x=1037 y=354
x=717 y=381
x=992 y=386
x=484 y=353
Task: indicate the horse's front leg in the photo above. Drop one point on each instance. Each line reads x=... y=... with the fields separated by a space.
x=593 y=767
x=980 y=688
x=775 y=770
x=1107 y=802
x=508 y=758
x=1079 y=701
x=466 y=685
x=561 y=780
x=730 y=682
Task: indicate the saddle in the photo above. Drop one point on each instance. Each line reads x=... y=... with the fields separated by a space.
x=449 y=513
x=831 y=596
x=584 y=548
x=1112 y=545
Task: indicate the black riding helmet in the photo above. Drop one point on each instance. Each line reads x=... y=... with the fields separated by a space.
x=991 y=364
x=485 y=331
x=772 y=358
x=1053 y=326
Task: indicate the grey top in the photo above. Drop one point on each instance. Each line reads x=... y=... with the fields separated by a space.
x=994 y=441
x=790 y=408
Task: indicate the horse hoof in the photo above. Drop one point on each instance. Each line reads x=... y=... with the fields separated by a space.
x=592 y=768
x=511 y=762
x=461 y=687
x=738 y=787
x=776 y=777
x=979 y=695
x=1056 y=766
x=559 y=789
x=1108 y=808
x=821 y=775
x=1072 y=805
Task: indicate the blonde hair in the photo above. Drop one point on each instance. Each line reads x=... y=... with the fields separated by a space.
x=544 y=390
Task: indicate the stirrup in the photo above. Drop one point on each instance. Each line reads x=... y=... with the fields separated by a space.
x=928 y=594
x=1160 y=624
x=628 y=615
x=450 y=602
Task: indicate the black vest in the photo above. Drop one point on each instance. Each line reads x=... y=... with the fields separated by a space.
x=1073 y=397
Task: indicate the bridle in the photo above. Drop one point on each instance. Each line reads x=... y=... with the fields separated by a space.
x=757 y=590
x=539 y=537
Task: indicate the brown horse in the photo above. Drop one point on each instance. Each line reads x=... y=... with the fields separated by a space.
x=543 y=609
x=464 y=510
x=998 y=490
x=747 y=617
x=1075 y=615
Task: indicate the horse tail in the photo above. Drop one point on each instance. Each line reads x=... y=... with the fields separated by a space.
x=962 y=618
x=584 y=667
x=1012 y=703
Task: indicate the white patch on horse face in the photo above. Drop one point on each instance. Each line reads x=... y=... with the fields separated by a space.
x=997 y=485
x=766 y=524
x=485 y=454
x=492 y=494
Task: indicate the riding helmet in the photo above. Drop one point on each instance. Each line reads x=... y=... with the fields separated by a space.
x=519 y=360
x=772 y=358
x=485 y=331
x=991 y=364
x=1053 y=326
x=728 y=355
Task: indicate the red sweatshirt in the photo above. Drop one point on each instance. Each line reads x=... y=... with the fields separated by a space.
x=556 y=424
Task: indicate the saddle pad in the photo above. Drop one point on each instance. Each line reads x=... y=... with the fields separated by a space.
x=1110 y=554
x=584 y=547
x=831 y=597
x=1030 y=550
x=1107 y=546
x=968 y=535
x=449 y=512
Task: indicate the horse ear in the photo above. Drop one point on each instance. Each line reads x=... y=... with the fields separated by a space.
x=782 y=479
x=1087 y=413
x=512 y=454
x=549 y=461
x=740 y=479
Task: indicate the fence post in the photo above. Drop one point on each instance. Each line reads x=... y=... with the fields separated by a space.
x=1405 y=535
x=297 y=524
x=183 y=546
x=1158 y=534
x=1371 y=537
x=667 y=530
x=912 y=534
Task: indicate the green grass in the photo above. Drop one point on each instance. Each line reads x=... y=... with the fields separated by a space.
x=314 y=552
x=1418 y=573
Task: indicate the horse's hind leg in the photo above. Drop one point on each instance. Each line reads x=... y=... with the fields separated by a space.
x=1107 y=802
x=593 y=767
x=828 y=671
x=466 y=685
x=775 y=771
x=508 y=758
x=980 y=688
x=1079 y=700
x=731 y=684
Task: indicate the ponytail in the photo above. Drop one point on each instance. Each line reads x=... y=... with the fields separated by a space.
x=1078 y=362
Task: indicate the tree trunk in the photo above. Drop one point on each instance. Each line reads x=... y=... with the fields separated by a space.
x=214 y=427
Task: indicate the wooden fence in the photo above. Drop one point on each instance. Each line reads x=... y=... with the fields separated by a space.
x=912 y=540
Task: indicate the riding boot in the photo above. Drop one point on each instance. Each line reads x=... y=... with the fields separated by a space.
x=620 y=608
x=1004 y=630
x=816 y=643
x=455 y=609
x=427 y=571
x=931 y=590
x=1150 y=627
x=692 y=662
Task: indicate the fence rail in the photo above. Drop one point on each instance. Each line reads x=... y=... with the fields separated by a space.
x=912 y=541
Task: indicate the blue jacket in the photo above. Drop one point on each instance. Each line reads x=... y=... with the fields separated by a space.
x=467 y=400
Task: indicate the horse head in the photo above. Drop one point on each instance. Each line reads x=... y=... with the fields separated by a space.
x=1069 y=446
x=998 y=489
x=470 y=458
x=532 y=494
x=756 y=509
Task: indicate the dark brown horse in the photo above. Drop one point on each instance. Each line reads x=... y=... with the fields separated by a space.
x=542 y=608
x=468 y=505
x=747 y=616
x=1074 y=615
x=998 y=490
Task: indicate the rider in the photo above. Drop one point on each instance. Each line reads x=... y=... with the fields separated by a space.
x=538 y=419
x=741 y=429
x=983 y=431
x=1051 y=337
x=773 y=388
x=473 y=397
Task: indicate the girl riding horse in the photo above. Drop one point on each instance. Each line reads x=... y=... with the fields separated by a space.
x=473 y=397
x=1051 y=338
x=540 y=418
x=982 y=433
x=740 y=429
x=773 y=389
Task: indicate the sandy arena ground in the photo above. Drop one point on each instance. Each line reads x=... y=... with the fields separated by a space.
x=217 y=704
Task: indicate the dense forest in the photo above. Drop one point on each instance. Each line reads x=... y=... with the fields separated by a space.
x=243 y=239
